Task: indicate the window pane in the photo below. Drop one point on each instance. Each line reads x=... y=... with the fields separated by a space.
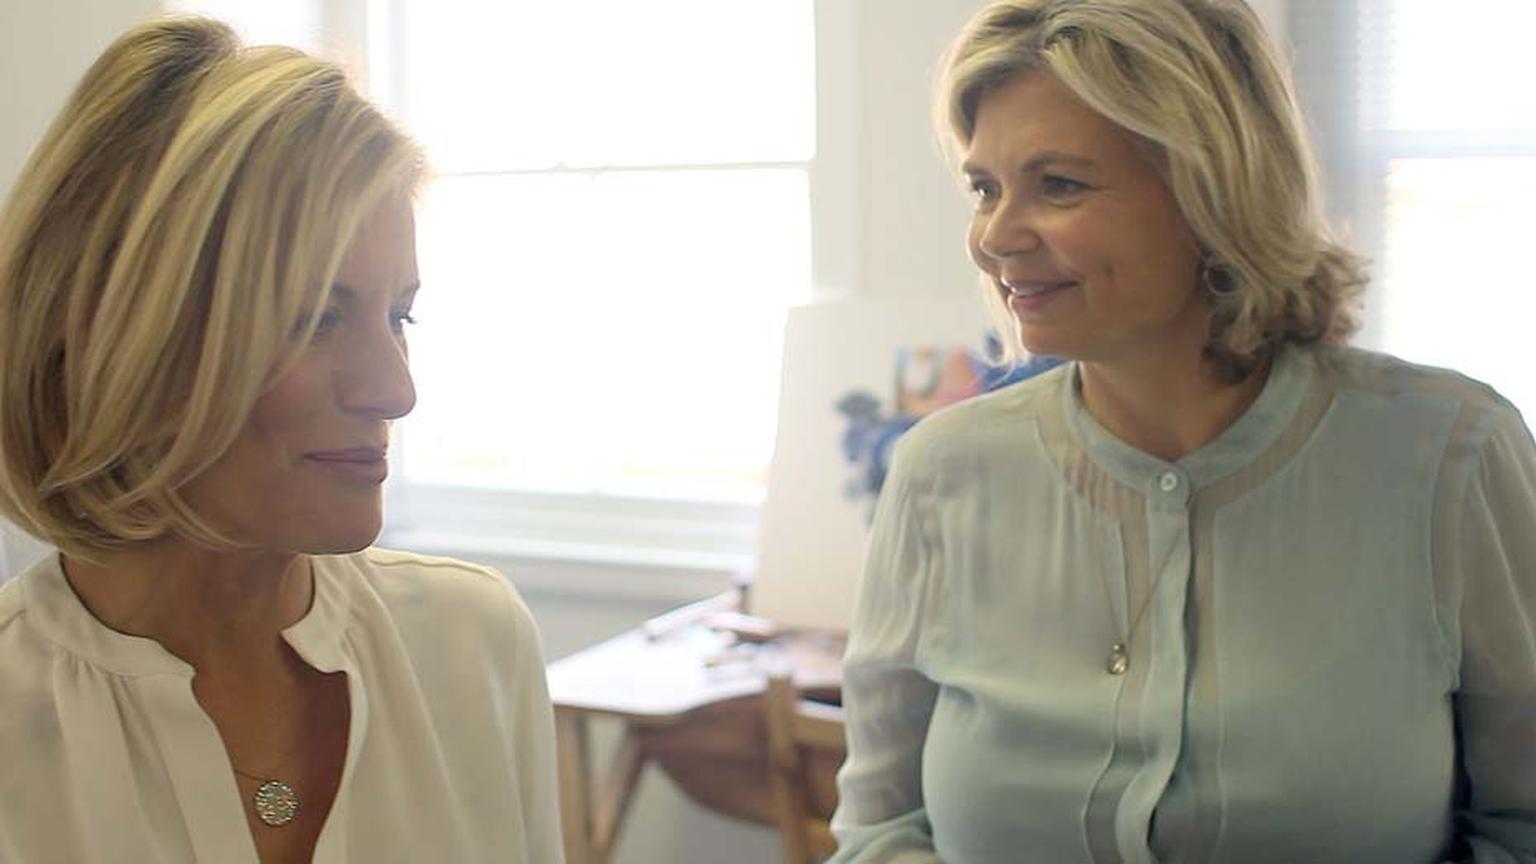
x=501 y=86
x=614 y=333
x=1457 y=289
x=1467 y=69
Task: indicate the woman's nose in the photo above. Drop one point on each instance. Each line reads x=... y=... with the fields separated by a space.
x=1008 y=230
x=378 y=378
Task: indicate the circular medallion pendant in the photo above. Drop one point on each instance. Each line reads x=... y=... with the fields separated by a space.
x=1119 y=660
x=276 y=803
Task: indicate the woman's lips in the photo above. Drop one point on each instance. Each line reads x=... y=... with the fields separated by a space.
x=1028 y=296
x=351 y=454
x=363 y=464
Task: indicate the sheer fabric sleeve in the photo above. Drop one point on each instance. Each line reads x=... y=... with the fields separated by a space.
x=889 y=700
x=1496 y=698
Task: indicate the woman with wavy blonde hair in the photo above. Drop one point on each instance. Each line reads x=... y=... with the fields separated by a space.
x=1221 y=589
x=206 y=271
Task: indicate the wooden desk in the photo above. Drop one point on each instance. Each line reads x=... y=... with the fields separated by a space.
x=702 y=724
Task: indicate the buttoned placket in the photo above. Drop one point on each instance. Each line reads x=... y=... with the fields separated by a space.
x=1159 y=641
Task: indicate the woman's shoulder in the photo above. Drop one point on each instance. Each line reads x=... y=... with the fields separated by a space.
x=968 y=427
x=1399 y=382
x=429 y=590
x=416 y=569
x=11 y=626
x=20 y=597
x=28 y=646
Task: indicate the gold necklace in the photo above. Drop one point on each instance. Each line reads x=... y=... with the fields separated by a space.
x=1119 y=661
x=275 y=801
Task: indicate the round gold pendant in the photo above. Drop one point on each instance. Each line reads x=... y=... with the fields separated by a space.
x=1119 y=660
x=276 y=803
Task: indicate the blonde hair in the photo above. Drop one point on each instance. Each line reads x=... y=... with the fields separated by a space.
x=166 y=251
x=1198 y=84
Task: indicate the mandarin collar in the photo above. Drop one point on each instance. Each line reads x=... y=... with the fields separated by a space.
x=1290 y=376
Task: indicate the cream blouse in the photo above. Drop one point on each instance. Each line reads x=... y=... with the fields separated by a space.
x=106 y=757
x=1336 y=663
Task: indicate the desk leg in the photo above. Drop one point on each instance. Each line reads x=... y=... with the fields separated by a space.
x=572 y=755
x=615 y=794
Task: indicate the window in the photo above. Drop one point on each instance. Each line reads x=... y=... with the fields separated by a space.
x=1452 y=124
x=618 y=222
x=1435 y=146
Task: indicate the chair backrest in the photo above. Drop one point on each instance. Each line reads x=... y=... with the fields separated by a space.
x=805 y=748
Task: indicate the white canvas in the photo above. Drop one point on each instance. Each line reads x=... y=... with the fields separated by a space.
x=812 y=539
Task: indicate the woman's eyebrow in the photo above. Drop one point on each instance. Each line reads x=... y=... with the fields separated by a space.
x=345 y=292
x=1038 y=162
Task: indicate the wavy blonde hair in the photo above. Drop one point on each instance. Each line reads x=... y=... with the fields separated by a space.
x=1198 y=84
x=166 y=251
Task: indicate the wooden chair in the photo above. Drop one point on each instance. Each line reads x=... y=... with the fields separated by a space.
x=805 y=748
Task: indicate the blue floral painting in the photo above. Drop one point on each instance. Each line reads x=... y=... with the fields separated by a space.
x=927 y=379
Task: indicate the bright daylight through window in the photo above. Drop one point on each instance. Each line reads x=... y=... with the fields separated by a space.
x=619 y=221
x=1450 y=123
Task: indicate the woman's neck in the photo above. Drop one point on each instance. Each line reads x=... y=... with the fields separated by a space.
x=1166 y=410
x=210 y=608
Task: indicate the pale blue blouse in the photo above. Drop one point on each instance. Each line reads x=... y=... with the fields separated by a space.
x=1335 y=657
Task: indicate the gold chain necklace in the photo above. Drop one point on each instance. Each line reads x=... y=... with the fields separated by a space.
x=1119 y=661
x=275 y=801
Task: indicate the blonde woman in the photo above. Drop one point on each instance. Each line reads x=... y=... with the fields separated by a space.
x=1221 y=590
x=205 y=276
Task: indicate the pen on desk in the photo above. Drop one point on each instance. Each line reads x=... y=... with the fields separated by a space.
x=681 y=617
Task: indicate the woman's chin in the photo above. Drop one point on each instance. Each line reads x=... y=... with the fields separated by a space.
x=343 y=537
x=1039 y=342
x=345 y=548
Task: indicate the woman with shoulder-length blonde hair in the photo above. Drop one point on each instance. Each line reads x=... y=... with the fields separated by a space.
x=1221 y=590
x=205 y=274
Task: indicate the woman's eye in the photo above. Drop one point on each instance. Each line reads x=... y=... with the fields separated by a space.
x=1056 y=187
x=328 y=321
x=984 y=191
x=398 y=320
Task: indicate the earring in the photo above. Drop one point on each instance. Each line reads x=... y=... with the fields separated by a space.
x=1218 y=279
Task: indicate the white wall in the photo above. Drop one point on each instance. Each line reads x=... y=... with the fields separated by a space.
x=902 y=232
x=45 y=49
x=1273 y=12
x=47 y=45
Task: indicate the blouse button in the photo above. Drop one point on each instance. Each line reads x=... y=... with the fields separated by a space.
x=1168 y=482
